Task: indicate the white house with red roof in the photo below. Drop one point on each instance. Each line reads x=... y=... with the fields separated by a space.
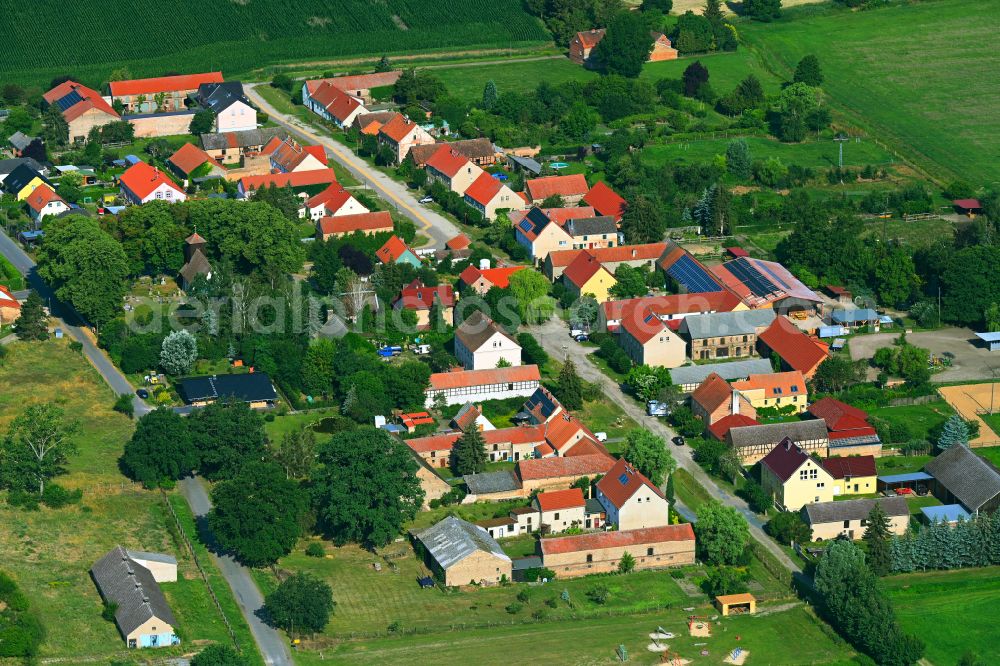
x=331 y=202
x=44 y=201
x=631 y=500
x=481 y=280
x=649 y=341
x=333 y=226
x=559 y=510
x=143 y=183
x=481 y=344
x=334 y=104
x=355 y=85
x=401 y=134
x=419 y=298
x=461 y=386
x=289 y=156
x=248 y=185
x=452 y=169
x=83 y=108
x=636 y=256
x=488 y=195
x=10 y=307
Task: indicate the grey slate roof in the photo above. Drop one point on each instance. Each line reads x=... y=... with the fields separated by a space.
x=477 y=329
x=833 y=512
x=121 y=580
x=593 y=505
x=696 y=374
x=773 y=433
x=220 y=96
x=152 y=557
x=490 y=482
x=966 y=476
x=716 y=324
x=19 y=140
x=453 y=539
x=8 y=166
x=243 y=138
x=526 y=163
x=592 y=226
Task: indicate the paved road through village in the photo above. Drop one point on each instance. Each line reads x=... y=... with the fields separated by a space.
x=439 y=228
x=554 y=337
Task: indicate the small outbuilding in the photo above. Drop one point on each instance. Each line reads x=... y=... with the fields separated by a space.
x=462 y=553
x=736 y=604
x=968 y=207
x=990 y=340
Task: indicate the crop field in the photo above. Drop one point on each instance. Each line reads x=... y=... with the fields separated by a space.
x=814 y=154
x=921 y=76
x=952 y=611
x=236 y=36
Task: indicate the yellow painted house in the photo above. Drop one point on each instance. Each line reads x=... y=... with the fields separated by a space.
x=777 y=390
x=793 y=478
x=586 y=275
x=22 y=181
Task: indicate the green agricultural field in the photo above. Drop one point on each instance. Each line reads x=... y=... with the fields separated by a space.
x=921 y=76
x=725 y=70
x=814 y=154
x=237 y=36
x=594 y=641
x=50 y=552
x=919 y=420
x=952 y=611
x=467 y=81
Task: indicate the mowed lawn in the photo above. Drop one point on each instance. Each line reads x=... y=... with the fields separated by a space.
x=50 y=552
x=921 y=75
x=790 y=637
x=952 y=611
x=813 y=154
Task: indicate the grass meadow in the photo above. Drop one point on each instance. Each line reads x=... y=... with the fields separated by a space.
x=952 y=611
x=50 y=552
x=922 y=76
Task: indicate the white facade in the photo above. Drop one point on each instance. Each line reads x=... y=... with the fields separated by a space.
x=563 y=519
x=350 y=207
x=497 y=347
x=643 y=509
x=464 y=394
x=55 y=207
x=236 y=117
x=163 y=192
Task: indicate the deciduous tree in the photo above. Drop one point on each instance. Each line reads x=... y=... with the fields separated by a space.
x=32 y=324
x=160 y=449
x=178 y=352
x=228 y=435
x=37 y=447
x=301 y=604
x=649 y=453
x=722 y=533
x=625 y=46
x=218 y=655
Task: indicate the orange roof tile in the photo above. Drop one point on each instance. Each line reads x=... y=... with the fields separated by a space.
x=557 y=500
x=712 y=393
x=622 y=481
x=601 y=540
x=556 y=468
x=142 y=179
x=42 y=196
x=484 y=188
x=7 y=299
x=415 y=296
x=348 y=224
x=498 y=277
x=392 y=250
x=289 y=154
x=564 y=186
x=774 y=385
x=590 y=38
x=297 y=179
x=459 y=242
x=441 y=381
x=91 y=99
x=357 y=82
x=583 y=268
x=398 y=128
x=447 y=161
x=645 y=252
x=795 y=348
x=189 y=157
x=721 y=428
x=605 y=200
x=158 y=84
x=643 y=328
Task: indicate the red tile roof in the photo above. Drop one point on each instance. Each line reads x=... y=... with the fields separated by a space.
x=968 y=204
x=605 y=201
x=590 y=38
x=7 y=299
x=583 y=268
x=557 y=500
x=498 y=277
x=622 y=481
x=433 y=442
x=459 y=242
x=574 y=185
x=644 y=252
x=795 y=348
x=737 y=252
x=712 y=393
x=163 y=84
x=189 y=157
x=587 y=447
x=775 y=385
x=484 y=188
x=713 y=301
x=297 y=179
x=338 y=103
x=839 y=415
x=42 y=196
x=392 y=250
x=415 y=296
x=852 y=466
x=441 y=381
x=397 y=128
x=289 y=154
x=721 y=428
x=557 y=468
x=784 y=459
x=357 y=82
x=447 y=161
x=91 y=100
x=600 y=540
x=142 y=179
x=564 y=433
x=643 y=328
x=348 y=224
x=333 y=196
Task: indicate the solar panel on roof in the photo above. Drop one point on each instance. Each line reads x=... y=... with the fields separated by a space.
x=692 y=276
x=776 y=278
x=66 y=101
x=525 y=225
x=756 y=281
x=623 y=479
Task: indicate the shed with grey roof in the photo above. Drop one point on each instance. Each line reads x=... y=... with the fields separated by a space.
x=592 y=226
x=753 y=442
x=689 y=377
x=849 y=518
x=142 y=614
x=960 y=476
x=719 y=324
x=462 y=553
x=488 y=483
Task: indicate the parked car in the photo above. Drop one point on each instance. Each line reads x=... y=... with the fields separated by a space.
x=678 y=440
x=904 y=491
x=574 y=332
x=657 y=408
x=601 y=436
x=142 y=393
x=427 y=200
x=581 y=338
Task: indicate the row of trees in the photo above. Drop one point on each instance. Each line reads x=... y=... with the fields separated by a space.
x=970 y=543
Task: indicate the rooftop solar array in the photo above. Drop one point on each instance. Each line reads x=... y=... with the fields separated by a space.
x=692 y=276
x=525 y=225
x=66 y=101
x=755 y=281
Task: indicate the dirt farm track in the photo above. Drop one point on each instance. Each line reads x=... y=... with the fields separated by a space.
x=970 y=401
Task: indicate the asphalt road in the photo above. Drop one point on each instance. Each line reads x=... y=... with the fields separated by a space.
x=432 y=224
x=554 y=337
x=272 y=646
x=72 y=323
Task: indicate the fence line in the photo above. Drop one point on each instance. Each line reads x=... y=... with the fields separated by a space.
x=197 y=564
x=112 y=488
x=918 y=400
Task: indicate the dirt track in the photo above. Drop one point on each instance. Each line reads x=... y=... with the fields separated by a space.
x=969 y=401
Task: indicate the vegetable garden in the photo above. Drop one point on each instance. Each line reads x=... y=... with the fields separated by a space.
x=152 y=39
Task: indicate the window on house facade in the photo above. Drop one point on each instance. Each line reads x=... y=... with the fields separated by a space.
x=590 y=558
x=649 y=551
